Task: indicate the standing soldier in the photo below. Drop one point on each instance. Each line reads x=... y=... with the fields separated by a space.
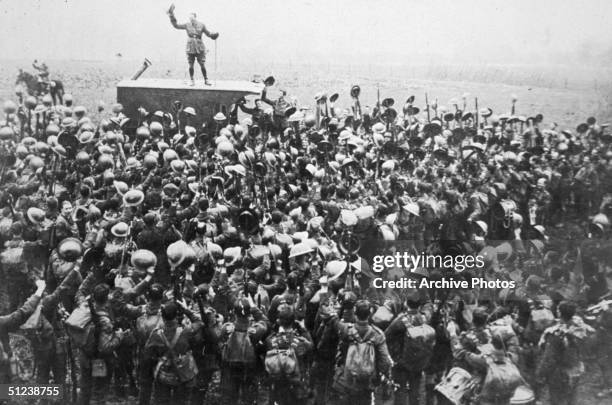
x=239 y=359
x=9 y=323
x=287 y=347
x=362 y=357
x=411 y=341
x=195 y=46
x=170 y=346
x=97 y=357
x=562 y=367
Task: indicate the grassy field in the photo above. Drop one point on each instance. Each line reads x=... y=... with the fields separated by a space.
x=563 y=94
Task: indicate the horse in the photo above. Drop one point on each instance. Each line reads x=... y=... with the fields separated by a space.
x=30 y=83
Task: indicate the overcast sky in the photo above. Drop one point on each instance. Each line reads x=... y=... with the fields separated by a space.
x=334 y=31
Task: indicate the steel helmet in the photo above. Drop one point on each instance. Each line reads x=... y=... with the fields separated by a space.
x=601 y=219
x=225 y=132
x=143 y=132
x=335 y=269
x=86 y=136
x=312 y=243
x=105 y=161
x=225 y=148
x=143 y=259
x=9 y=107
x=220 y=139
x=121 y=187
x=310 y=120
x=189 y=130
x=80 y=111
x=82 y=157
x=177 y=166
x=284 y=241
x=149 y=161
x=388 y=165
x=170 y=155
x=275 y=250
x=178 y=253
x=70 y=249
x=300 y=249
x=504 y=251
x=6 y=133
x=379 y=128
x=156 y=128
x=348 y=218
x=215 y=251
x=21 y=151
x=41 y=147
x=36 y=163
x=412 y=208
x=30 y=102
x=47 y=100
x=35 y=215
x=120 y=230
x=232 y=255
x=246 y=157
x=133 y=198
x=28 y=141
x=238 y=130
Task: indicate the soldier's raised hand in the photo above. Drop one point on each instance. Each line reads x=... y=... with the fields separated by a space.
x=40 y=287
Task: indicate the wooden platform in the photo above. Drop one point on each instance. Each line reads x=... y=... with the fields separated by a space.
x=160 y=94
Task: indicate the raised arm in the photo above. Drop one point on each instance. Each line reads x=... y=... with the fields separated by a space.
x=175 y=24
x=13 y=320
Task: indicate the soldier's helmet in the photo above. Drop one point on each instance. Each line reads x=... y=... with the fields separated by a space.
x=70 y=249
x=133 y=198
x=142 y=259
x=300 y=249
x=35 y=215
x=178 y=253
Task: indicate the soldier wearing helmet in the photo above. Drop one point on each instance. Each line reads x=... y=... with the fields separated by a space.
x=195 y=47
x=238 y=379
x=287 y=334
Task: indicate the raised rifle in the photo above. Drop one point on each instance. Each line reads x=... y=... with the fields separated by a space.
x=128 y=242
x=427 y=107
x=71 y=360
x=477 y=113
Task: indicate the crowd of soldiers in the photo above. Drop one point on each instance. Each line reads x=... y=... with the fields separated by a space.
x=229 y=263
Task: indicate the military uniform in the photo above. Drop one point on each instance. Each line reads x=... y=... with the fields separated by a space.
x=345 y=392
x=195 y=47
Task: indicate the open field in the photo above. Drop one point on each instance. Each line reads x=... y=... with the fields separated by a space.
x=563 y=94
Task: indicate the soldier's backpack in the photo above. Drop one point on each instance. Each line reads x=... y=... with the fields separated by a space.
x=174 y=369
x=501 y=380
x=238 y=351
x=418 y=345
x=80 y=327
x=282 y=363
x=360 y=363
x=146 y=324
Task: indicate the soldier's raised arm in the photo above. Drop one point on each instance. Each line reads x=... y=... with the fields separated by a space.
x=13 y=320
x=175 y=24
